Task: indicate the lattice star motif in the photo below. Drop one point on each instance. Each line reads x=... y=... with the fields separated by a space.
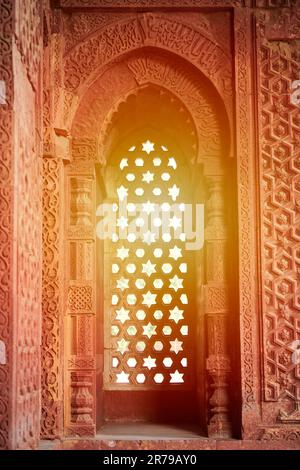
x=176 y=283
x=176 y=314
x=122 y=253
x=122 y=193
x=176 y=346
x=172 y=163
x=175 y=253
x=123 y=163
x=148 y=147
x=149 y=330
x=148 y=207
x=174 y=192
x=149 y=362
x=175 y=222
x=122 y=378
x=122 y=315
x=176 y=377
x=122 y=222
x=184 y=299
x=122 y=283
x=122 y=346
x=148 y=268
x=148 y=177
x=149 y=299
x=149 y=237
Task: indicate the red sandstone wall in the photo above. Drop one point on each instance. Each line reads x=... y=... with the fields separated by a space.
x=20 y=239
x=269 y=325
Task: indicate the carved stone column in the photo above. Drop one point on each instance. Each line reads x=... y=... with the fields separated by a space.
x=80 y=321
x=216 y=309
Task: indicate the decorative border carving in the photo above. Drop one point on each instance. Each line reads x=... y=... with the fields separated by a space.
x=83 y=62
x=51 y=423
x=84 y=149
x=276 y=3
x=285 y=433
x=151 y=3
x=93 y=117
x=246 y=195
x=6 y=34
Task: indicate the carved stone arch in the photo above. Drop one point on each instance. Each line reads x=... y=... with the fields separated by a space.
x=85 y=61
x=154 y=107
x=101 y=95
x=148 y=67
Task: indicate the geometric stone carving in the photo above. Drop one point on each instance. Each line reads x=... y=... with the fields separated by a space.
x=290 y=418
x=216 y=299
x=280 y=154
x=80 y=299
x=81 y=363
